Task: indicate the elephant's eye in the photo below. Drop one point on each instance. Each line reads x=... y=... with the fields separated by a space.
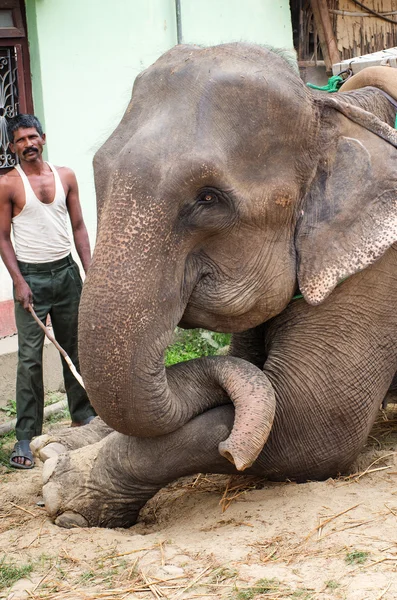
x=207 y=197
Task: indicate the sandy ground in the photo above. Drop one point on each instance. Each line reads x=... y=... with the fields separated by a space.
x=219 y=537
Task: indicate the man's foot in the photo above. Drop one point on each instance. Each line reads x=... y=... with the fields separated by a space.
x=81 y=423
x=21 y=456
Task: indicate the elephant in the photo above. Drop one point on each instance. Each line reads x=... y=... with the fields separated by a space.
x=231 y=197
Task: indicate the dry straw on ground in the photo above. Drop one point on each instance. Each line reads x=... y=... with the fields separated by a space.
x=215 y=536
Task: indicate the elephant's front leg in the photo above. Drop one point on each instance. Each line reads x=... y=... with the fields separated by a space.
x=106 y=484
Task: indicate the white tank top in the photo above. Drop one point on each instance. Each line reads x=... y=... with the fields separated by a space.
x=40 y=230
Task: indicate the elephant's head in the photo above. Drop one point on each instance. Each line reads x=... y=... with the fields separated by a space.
x=226 y=185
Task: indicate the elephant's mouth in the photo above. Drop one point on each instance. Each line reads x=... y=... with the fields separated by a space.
x=226 y=301
x=219 y=303
x=195 y=317
x=224 y=311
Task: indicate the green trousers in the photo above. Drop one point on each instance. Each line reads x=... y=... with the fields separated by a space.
x=56 y=289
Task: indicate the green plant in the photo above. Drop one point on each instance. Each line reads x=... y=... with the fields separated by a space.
x=10 y=573
x=332 y=585
x=4 y=458
x=262 y=586
x=107 y=577
x=302 y=594
x=10 y=408
x=53 y=397
x=62 y=415
x=62 y=573
x=357 y=557
x=45 y=560
x=87 y=576
x=222 y=574
x=6 y=443
x=247 y=594
x=194 y=343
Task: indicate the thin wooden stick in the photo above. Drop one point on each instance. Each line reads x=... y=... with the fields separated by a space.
x=380 y=561
x=37 y=537
x=131 y=552
x=195 y=580
x=329 y=520
x=348 y=527
x=157 y=593
x=269 y=556
x=61 y=350
x=132 y=568
x=162 y=553
x=391 y=510
x=24 y=509
x=42 y=579
x=384 y=591
x=357 y=476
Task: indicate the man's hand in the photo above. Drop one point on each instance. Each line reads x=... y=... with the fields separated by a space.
x=23 y=294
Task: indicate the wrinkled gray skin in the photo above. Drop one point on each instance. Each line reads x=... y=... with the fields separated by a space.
x=227 y=186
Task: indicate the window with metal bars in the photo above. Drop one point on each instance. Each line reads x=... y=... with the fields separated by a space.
x=9 y=101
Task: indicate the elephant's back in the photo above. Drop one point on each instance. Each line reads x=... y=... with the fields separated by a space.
x=384 y=78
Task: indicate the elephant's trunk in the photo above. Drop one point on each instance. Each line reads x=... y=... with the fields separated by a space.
x=207 y=382
x=128 y=313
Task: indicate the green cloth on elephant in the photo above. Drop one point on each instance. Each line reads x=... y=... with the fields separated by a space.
x=56 y=288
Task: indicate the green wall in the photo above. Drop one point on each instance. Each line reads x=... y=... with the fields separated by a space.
x=34 y=51
x=85 y=55
x=207 y=22
x=84 y=59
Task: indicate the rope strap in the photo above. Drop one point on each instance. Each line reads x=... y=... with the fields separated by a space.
x=333 y=84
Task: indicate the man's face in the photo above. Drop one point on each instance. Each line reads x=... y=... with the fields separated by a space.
x=28 y=144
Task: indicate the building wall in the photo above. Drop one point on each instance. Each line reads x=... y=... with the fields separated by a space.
x=358 y=32
x=208 y=22
x=86 y=55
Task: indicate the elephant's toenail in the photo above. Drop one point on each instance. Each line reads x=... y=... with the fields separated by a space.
x=49 y=467
x=70 y=519
x=52 y=497
x=53 y=449
x=39 y=442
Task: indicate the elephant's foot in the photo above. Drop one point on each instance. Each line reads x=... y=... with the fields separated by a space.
x=52 y=444
x=93 y=486
x=106 y=484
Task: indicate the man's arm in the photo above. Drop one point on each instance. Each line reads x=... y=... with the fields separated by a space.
x=80 y=235
x=23 y=293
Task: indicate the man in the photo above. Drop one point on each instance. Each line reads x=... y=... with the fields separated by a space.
x=35 y=199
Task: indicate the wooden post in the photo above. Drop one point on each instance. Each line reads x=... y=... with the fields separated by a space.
x=325 y=33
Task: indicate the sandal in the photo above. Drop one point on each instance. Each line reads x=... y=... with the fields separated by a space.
x=22 y=449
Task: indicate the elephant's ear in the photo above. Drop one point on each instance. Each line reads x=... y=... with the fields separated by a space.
x=349 y=214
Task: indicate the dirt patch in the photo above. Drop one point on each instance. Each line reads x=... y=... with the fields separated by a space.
x=213 y=536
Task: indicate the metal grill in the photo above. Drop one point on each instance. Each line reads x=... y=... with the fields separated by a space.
x=8 y=101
